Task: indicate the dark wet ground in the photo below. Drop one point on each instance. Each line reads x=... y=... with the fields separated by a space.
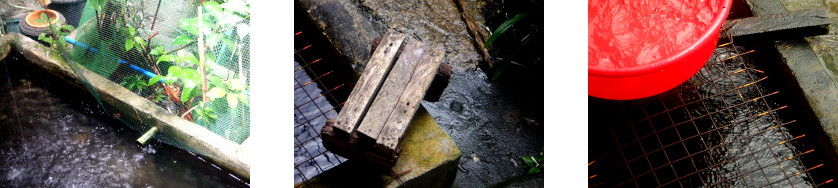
x=55 y=135
x=493 y=124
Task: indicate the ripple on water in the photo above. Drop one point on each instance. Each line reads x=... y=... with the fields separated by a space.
x=56 y=141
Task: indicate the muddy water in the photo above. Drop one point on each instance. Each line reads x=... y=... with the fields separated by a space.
x=54 y=135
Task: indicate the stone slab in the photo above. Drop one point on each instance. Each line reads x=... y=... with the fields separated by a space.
x=430 y=154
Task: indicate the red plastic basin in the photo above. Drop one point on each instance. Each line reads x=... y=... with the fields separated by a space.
x=645 y=47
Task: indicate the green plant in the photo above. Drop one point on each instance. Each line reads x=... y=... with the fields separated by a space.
x=219 y=27
x=132 y=82
x=535 y=31
x=158 y=95
x=55 y=33
x=97 y=5
x=535 y=164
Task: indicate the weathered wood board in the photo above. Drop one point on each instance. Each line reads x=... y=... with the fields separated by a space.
x=389 y=95
x=408 y=103
x=382 y=104
x=788 y=25
x=368 y=85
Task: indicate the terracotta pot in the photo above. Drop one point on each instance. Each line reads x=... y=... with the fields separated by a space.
x=29 y=27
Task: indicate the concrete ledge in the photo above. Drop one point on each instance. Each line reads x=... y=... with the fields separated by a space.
x=134 y=109
x=427 y=151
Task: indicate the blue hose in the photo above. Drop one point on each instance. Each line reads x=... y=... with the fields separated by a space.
x=94 y=50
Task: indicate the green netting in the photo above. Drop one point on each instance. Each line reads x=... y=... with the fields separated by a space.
x=151 y=48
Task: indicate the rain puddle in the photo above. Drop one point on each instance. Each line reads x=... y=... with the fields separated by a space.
x=55 y=135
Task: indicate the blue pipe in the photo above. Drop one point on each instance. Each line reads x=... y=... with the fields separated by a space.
x=94 y=50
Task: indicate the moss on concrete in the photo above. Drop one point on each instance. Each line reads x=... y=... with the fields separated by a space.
x=427 y=151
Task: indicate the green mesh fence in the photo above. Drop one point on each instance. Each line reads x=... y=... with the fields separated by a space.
x=151 y=47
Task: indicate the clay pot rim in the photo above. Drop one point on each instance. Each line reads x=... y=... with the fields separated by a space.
x=34 y=15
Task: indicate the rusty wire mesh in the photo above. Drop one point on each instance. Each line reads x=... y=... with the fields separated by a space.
x=722 y=128
x=313 y=101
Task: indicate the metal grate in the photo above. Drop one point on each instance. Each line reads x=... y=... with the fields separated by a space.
x=312 y=106
x=722 y=128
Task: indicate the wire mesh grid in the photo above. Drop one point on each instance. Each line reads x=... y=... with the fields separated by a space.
x=720 y=129
x=312 y=106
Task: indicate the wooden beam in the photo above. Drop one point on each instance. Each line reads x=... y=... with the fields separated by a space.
x=389 y=94
x=368 y=85
x=781 y=26
x=408 y=103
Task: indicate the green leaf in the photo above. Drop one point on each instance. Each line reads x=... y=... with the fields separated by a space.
x=216 y=92
x=505 y=26
x=191 y=59
x=139 y=42
x=44 y=19
x=158 y=50
x=174 y=73
x=132 y=31
x=165 y=58
x=230 y=19
x=48 y=40
x=216 y=81
x=232 y=100
x=154 y=79
x=129 y=44
x=190 y=25
x=68 y=27
x=528 y=160
x=186 y=95
x=213 y=8
x=533 y=170
x=503 y=65
x=236 y=84
x=238 y=6
x=213 y=40
x=182 y=39
x=190 y=74
x=243 y=99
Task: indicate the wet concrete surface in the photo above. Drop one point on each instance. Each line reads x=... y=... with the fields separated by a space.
x=352 y=25
x=9 y=13
x=493 y=127
x=55 y=135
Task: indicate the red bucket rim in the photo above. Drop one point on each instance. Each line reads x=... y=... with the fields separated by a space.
x=713 y=30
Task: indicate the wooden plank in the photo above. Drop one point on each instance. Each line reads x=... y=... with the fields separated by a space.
x=789 y=25
x=388 y=96
x=409 y=102
x=443 y=75
x=368 y=85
